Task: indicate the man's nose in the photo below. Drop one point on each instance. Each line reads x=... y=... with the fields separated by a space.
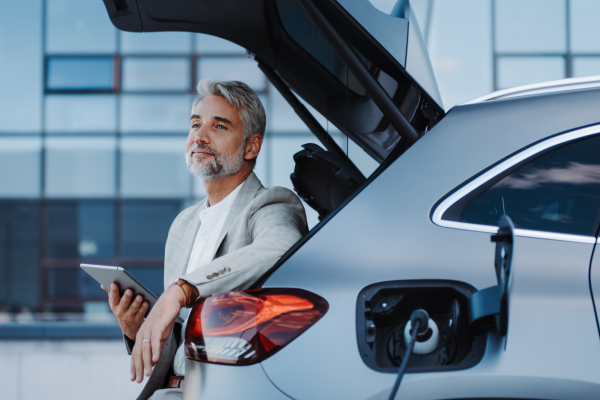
x=202 y=135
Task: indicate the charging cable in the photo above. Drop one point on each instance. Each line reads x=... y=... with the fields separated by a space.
x=419 y=321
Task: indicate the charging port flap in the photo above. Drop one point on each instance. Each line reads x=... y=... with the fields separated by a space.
x=488 y=308
x=461 y=317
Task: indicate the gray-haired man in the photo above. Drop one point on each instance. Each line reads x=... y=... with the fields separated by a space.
x=226 y=242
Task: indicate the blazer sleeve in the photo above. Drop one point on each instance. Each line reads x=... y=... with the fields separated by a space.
x=274 y=227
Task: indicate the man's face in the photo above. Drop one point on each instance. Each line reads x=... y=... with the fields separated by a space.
x=215 y=145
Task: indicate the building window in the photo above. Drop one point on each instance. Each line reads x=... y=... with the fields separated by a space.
x=80 y=74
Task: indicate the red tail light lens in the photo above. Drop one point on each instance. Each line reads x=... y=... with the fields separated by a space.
x=248 y=326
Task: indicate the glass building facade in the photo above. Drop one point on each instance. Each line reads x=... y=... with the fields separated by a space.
x=479 y=46
x=93 y=123
x=92 y=140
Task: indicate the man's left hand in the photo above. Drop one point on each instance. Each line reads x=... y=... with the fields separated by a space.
x=155 y=331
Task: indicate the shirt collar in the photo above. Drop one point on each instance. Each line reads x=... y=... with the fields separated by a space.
x=222 y=206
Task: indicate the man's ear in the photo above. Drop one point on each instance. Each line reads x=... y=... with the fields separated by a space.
x=253 y=145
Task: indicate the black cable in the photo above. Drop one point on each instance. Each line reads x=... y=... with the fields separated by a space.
x=419 y=321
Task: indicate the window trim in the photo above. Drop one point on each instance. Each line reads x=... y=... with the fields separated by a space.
x=482 y=179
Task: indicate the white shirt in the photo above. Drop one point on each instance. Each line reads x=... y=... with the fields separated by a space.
x=212 y=220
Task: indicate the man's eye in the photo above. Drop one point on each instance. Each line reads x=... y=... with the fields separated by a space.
x=195 y=125
x=221 y=126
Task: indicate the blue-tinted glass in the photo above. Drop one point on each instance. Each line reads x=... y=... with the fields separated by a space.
x=556 y=192
x=80 y=167
x=586 y=66
x=143 y=114
x=147 y=73
x=83 y=73
x=79 y=113
x=72 y=283
x=80 y=229
x=154 y=167
x=156 y=42
x=20 y=167
x=461 y=59
x=517 y=71
x=531 y=26
x=232 y=69
x=144 y=227
x=79 y=26
x=19 y=255
x=585 y=29
x=21 y=65
x=62 y=283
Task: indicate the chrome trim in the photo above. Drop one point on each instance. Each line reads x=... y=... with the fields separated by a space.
x=563 y=237
x=539 y=88
x=439 y=211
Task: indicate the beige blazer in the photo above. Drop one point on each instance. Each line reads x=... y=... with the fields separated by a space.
x=261 y=226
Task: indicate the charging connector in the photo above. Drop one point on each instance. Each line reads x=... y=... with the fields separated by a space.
x=425 y=342
x=419 y=321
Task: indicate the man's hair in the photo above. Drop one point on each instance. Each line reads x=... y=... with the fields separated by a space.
x=238 y=95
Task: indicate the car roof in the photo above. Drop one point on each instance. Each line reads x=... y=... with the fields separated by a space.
x=561 y=85
x=281 y=35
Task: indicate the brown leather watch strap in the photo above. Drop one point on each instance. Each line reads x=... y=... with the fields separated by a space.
x=176 y=381
x=191 y=292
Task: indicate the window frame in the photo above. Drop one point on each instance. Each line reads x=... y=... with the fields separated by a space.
x=502 y=167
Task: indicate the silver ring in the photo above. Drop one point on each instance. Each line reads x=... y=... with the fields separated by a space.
x=146 y=341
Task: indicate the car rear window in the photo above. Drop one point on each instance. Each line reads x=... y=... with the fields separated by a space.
x=298 y=25
x=557 y=191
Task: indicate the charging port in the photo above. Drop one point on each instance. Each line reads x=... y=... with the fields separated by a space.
x=384 y=310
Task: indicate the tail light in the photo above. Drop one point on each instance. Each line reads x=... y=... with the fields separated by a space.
x=246 y=327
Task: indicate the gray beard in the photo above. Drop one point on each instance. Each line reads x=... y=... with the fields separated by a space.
x=220 y=166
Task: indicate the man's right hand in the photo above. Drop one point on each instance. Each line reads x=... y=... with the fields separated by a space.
x=130 y=314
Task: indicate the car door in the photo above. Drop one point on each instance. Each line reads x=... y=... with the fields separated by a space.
x=551 y=190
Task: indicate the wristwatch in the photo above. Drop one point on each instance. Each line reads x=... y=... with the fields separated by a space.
x=191 y=292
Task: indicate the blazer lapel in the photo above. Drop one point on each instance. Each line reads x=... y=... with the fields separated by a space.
x=188 y=240
x=247 y=192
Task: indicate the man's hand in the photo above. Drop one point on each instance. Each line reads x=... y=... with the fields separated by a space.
x=155 y=331
x=130 y=314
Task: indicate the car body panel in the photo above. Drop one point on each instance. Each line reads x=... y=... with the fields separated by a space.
x=595 y=282
x=223 y=382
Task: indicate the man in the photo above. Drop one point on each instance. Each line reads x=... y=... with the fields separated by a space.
x=226 y=242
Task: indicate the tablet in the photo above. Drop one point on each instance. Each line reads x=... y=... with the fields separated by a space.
x=107 y=275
